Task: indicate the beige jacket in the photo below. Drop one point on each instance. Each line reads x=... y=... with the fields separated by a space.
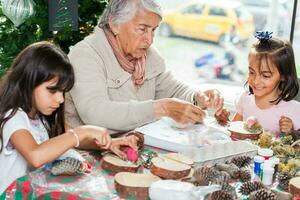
x=104 y=94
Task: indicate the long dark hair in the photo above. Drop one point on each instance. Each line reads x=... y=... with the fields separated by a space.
x=37 y=63
x=280 y=53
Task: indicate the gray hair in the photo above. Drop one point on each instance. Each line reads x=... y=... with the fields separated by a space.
x=121 y=11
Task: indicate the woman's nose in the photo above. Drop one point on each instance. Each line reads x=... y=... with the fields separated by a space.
x=149 y=37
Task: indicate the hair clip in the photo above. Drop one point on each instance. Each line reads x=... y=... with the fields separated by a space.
x=263 y=36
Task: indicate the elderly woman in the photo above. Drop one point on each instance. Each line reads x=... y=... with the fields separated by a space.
x=121 y=81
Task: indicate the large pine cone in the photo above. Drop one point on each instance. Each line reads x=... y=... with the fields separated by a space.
x=249 y=187
x=68 y=166
x=263 y=194
x=241 y=161
x=230 y=189
x=230 y=168
x=205 y=175
x=245 y=175
x=220 y=195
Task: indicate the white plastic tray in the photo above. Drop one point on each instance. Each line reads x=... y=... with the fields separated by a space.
x=204 y=143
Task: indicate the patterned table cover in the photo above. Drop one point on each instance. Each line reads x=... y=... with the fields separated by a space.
x=41 y=184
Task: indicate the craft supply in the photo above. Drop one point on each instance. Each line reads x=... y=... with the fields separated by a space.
x=267 y=177
x=131 y=154
x=275 y=162
x=258 y=160
x=266 y=153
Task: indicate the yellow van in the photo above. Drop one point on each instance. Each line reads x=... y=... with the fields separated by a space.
x=208 y=20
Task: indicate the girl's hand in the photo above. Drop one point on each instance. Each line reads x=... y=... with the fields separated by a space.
x=118 y=143
x=95 y=133
x=103 y=140
x=222 y=116
x=286 y=125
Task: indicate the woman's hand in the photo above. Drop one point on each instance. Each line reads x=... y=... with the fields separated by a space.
x=181 y=111
x=286 y=125
x=98 y=134
x=119 y=143
x=209 y=99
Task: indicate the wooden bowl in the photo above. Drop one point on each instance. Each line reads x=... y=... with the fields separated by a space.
x=239 y=132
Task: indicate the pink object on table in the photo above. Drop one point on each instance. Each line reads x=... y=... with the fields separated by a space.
x=132 y=155
x=251 y=121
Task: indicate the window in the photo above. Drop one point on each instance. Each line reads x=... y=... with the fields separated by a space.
x=217 y=11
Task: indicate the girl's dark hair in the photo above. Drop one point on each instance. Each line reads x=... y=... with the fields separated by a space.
x=37 y=63
x=280 y=53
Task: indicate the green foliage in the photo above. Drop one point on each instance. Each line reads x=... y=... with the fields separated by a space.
x=14 y=39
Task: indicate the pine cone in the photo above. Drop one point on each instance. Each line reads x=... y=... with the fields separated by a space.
x=205 y=175
x=283 y=180
x=249 y=187
x=230 y=189
x=68 y=166
x=220 y=195
x=230 y=168
x=245 y=175
x=263 y=194
x=241 y=161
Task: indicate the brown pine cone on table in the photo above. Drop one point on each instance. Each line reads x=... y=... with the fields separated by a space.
x=245 y=175
x=263 y=194
x=221 y=178
x=241 y=161
x=230 y=189
x=230 y=168
x=68 y=166
x=249 y=187
x=205 y=175
x=220 y=195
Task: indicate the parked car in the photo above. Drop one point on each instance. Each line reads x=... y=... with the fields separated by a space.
x=208 y=20
x=261 y=10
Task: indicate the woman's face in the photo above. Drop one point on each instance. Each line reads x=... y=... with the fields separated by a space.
x=263 y=78
x=135 y=36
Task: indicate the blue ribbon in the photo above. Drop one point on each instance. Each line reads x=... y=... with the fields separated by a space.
x=263 y=36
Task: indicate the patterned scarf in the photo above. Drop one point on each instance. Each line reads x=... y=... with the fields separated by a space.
x=134 y=66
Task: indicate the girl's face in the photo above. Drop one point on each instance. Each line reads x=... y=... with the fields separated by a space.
x=45 y=99
x=263 y=78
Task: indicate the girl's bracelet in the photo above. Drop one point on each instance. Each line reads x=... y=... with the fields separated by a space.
x=76 y=136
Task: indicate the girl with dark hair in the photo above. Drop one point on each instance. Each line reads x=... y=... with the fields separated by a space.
x=272 y=83
x=32 y=111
